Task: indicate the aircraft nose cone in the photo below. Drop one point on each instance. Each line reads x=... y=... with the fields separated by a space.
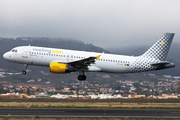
x=5 y=56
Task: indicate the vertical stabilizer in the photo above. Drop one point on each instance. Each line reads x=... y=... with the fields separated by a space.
x=160 y=49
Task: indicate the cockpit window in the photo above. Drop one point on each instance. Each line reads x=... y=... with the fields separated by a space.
x=14 y=50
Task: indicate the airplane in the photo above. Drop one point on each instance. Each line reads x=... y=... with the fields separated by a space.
x=67 y=61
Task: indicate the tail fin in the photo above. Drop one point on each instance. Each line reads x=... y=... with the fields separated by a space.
x=160 y=49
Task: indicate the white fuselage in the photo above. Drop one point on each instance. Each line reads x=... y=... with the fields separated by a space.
x=42 y=56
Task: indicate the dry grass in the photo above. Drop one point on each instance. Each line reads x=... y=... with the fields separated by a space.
x=91 y=105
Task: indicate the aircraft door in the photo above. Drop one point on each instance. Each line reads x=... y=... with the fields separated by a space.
x=25 y=52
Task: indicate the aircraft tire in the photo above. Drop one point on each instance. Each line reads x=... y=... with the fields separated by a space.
x=84 y=77
x=24 y=72
x=81 y=77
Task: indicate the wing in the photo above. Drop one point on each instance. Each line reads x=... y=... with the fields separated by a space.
x=83 y=63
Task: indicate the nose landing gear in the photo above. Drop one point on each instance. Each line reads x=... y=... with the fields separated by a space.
x=82 y=77
x=25 y=68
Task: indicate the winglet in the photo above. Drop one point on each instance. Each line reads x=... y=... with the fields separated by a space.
x=98 y=57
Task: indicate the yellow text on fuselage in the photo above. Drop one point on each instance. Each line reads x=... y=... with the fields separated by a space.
x=57 y=51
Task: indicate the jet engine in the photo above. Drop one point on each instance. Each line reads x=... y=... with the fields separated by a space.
x=60 y=68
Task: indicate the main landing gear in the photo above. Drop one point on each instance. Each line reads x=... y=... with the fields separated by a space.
x=82 y=77
x=25 y=67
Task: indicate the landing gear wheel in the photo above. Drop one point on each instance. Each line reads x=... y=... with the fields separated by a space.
x=24 y=72
x=81 y=77
x=84 y=77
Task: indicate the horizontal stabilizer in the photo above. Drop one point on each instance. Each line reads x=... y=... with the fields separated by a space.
x=161 y=63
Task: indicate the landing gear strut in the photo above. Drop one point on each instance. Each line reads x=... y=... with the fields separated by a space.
x=82 y=77
x=25 y=67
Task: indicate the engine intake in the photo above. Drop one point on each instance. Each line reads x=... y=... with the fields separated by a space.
x=60 y=68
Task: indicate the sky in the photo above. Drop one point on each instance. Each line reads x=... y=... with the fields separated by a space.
x=104 y=23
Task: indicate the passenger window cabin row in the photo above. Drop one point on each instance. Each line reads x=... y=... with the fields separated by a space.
x=77 y=57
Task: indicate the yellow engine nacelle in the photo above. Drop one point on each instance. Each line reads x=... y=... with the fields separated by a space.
x=59 y=68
